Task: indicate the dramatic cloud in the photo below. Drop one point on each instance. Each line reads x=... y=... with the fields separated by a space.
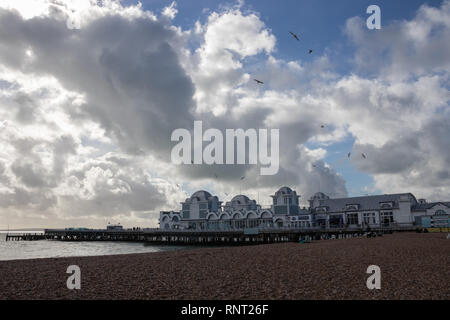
x=401 y=119
x=90 y=94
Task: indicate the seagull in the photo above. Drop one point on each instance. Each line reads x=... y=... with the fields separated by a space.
x=258 y=81
x=310 y=51
x=294 y=35
x=363 y=155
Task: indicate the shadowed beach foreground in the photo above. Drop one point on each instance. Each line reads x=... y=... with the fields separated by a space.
x=413 y=266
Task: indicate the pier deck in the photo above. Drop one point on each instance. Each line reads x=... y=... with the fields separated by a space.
x=221 y=237
x=25 y=236
x=190 y=237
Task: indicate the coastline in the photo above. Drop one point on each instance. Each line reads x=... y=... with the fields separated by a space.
x=413 y=266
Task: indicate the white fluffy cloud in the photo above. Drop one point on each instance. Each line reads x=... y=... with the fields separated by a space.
x=402 y=118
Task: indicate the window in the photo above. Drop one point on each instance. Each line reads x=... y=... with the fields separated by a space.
x=440 y=213
x=281 y=210
x=386 y=205
x=387 y=218
x=352 y=207
x=203 y=214
x=321 y=210
x=352 y=218
x=336 y=221
x=293 y=209
x=369 y=218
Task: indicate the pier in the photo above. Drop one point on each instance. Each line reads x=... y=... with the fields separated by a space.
x=25 y=236
x=216 y=237
x=204 y=237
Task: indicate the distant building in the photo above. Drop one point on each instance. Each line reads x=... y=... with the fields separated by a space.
x=114 y=227
x=432 y=215
x=203 y=211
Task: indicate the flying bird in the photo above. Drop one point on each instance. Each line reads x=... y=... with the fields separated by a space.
x=322 y=126
x=258 y=81
x=310 y=51
x=363 y=155
x=294 y=35
x=349 y=154
x=242 y=178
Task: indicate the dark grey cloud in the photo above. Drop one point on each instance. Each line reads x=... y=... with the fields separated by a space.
x=29 y=168
x=134 y=84
x=138 y=79
x=418 y=159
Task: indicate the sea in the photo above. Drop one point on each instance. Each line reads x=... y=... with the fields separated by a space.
x=18 y=250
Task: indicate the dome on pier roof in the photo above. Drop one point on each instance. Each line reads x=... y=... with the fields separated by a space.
x=320 y=195
x=201 y=195
x=240 y=199
x=284 y=190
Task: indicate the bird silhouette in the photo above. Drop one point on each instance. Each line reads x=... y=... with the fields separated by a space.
x=363 y=155
x=322 y=126
x=349 y=154
x=242 y=178
x=258 y=81
x=294 y=35
x=310 y=51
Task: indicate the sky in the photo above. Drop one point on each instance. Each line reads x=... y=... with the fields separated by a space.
x=90 y=92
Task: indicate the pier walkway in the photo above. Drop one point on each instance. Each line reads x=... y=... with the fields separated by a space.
x=25 y=236
x=203 y=237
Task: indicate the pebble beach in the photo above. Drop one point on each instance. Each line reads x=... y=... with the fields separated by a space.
x=413 y=266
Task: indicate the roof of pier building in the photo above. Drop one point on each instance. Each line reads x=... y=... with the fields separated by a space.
x=241 y=202
x=284 y=191
x=428 y=205
x=375 y=202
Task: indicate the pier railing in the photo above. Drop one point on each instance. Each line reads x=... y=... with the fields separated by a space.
x=238 y=236
x=25 y=236
x=246 y=236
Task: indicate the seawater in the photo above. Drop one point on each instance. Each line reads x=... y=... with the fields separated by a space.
x=15 y=250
